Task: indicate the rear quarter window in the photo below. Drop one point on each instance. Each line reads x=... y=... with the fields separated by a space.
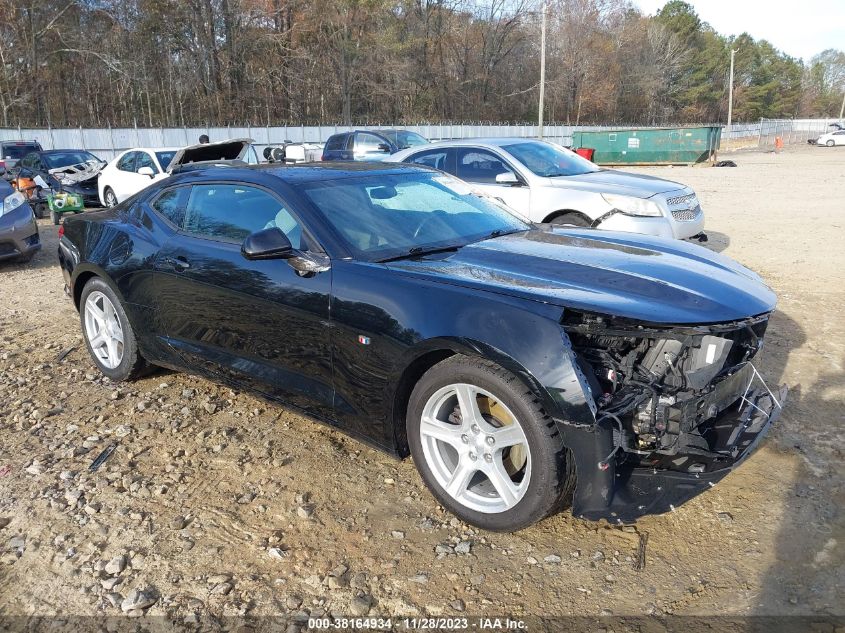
x=336 y=142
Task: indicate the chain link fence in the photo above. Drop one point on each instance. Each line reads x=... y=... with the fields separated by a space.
x=108 y=142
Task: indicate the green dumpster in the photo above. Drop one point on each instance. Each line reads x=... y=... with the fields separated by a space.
x=651 y=146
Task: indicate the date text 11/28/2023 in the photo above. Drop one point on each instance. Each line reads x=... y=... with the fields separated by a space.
x=418 y=624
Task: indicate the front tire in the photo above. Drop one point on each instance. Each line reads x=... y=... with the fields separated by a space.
x=830 y=143
x=484 y=446
x=109 y=197
x=108 y=334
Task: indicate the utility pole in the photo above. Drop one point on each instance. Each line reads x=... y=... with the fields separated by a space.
x=842 y=108
x=731 y=95
x=542 y=72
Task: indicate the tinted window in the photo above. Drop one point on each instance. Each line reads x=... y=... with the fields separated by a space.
x=145 y=160
x=18 y=151
x=336 y=142
x=55 y=160
x=381 y=215
x=549 y=161
x=30 y=160
x=232 y=212
x=171 y=204
x=480 y=165
x=164 y=159
x=127 y=162
x=433 y=158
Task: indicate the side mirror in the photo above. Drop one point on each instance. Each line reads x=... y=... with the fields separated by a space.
x=384 y=147
x=146 y=171
x=507 y=178
x=268 y=244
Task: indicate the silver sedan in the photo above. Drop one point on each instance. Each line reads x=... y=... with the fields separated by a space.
x=548 y=183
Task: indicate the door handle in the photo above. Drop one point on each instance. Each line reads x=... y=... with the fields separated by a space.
x=179 y=263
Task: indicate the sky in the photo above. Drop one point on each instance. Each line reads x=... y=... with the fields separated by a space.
x=800 y=29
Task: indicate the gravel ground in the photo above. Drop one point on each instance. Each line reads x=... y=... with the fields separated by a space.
x=215 y=503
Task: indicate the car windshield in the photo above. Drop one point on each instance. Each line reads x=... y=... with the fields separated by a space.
x=382 y=216
x=549 y=161
x=404 y=139
x=66 y=159
x=164 y=159
x=18 y=151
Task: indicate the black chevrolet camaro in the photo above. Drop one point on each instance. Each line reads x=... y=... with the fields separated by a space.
x=525 y=368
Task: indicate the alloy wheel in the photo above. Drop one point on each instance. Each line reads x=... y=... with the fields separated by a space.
x=475 y=448
x=111 y=199
x=103 y=330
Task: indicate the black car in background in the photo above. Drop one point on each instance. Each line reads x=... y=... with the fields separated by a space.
x=12 y=151
x=369 y=145
x=526 y=368
x=72 y=171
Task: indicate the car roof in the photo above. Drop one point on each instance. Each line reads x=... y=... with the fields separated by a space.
x=497 y=141
x=309 y=172
x=151 y=149
x=62 y=151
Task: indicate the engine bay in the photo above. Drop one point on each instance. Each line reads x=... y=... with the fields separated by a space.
x=663 y=388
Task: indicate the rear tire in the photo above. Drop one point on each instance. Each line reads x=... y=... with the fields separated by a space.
x=503 y=466
x=105 y=324
x=571 y=219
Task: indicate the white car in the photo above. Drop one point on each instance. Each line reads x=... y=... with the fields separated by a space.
x=832 y=138
x=548 y=183
x=137 y=168
x=131 y=171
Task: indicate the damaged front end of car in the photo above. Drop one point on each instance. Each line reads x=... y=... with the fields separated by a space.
x=676 y=408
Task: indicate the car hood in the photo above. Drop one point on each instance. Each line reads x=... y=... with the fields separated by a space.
x=638 y=277
x=616 y=182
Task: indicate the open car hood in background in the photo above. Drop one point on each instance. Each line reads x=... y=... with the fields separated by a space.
x=231 y=149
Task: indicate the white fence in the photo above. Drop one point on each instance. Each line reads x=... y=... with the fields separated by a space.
x=108 y=142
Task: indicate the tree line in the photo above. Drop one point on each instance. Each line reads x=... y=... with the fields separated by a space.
x=196 y=62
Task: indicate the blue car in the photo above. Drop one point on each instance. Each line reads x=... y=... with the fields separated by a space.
x=369 y=144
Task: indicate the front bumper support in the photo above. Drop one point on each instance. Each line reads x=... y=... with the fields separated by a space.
x=624 y=492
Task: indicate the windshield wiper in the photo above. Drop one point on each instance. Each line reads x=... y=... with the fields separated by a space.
x=419 y=251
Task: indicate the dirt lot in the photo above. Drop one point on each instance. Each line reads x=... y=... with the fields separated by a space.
x=216 y=503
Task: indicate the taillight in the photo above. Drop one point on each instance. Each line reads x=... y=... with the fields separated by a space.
x=61 y=230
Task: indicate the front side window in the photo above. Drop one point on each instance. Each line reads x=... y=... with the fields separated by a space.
x=368 y=143
x=127 y=162
x=404 y=139
x=231 y=212
x=164 y=159
x=172 y=203
x=384 y=215
x=480 y=165
x=145 y=160
x=549 y=161
x=433 y=158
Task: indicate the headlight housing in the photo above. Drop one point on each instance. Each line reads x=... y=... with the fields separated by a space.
x=11 y=202
x=633 y=206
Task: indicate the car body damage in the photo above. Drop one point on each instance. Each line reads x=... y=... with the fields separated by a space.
x=72 y=174
x=676 y=408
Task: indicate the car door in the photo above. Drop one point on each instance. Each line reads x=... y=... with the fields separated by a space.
x=839 y=137
x=123 y=180
x=481 y=167
x=258 y=323
x=369 y=146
